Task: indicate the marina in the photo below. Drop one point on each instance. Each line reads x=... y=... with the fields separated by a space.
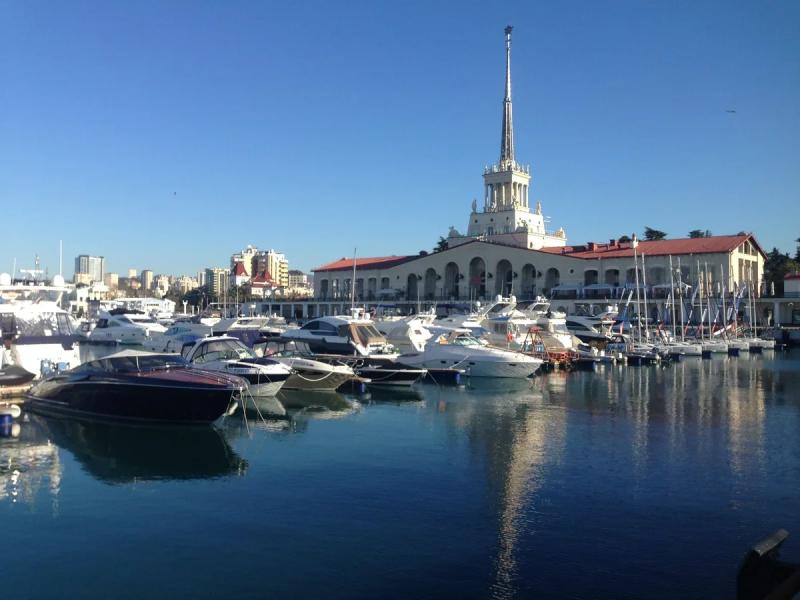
x=528 y=407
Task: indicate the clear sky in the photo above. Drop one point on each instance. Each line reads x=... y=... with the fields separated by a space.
x=168 y=135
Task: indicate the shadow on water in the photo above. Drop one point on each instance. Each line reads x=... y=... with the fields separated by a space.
x=117 y=453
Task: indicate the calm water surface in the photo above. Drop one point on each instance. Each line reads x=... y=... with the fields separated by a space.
x=623 y=483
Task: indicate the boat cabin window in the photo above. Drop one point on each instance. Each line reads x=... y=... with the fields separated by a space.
x=222 y=350
x=101 y=324
x=466 y=340
x=320 y=328
x=499 y=307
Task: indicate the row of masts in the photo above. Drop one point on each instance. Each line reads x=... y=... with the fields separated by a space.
x=679 y=310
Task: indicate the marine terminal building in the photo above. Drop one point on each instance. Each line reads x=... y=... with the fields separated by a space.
x=507 y=250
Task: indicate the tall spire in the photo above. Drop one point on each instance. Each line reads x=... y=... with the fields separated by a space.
x=507 y=140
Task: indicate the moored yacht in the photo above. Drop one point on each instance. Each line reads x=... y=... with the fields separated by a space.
x=37 y=333
x=125 y=326
x=355 y=341
x=135 y=385
x=225 y=354
x=460 y=350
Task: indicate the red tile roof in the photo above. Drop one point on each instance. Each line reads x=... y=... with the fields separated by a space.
x=791 y=276
x=707 y=245
x=377 y=262
x=262 y=280
x=239 y=269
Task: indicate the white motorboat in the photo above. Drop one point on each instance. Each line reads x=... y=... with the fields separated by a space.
x=592 y=330
x=176 y=335
x=460 y=350
x=228 y=355
x=307 y=374
x=355 y=341
x=343 y=335
x=125 y=326
x=407 y=334
x=37 y=333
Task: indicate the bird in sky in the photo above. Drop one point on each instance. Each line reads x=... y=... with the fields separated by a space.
x=730 y=110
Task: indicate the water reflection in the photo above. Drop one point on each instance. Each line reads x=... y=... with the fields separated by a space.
x=29 y=464
x=514 y=430
x=122 y=453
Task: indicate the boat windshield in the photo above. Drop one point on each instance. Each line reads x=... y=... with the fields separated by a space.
x=44 y=324
x=222 y=350
x=135 y=363
x=465 y=340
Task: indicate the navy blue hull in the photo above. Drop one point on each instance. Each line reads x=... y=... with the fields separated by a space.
x=129 y=401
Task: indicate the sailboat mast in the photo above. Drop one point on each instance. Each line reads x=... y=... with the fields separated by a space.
x=672 y=295
x=722 y=293
x=644 y=293
x=700 y=284
x=635 y=243
x=680 y=289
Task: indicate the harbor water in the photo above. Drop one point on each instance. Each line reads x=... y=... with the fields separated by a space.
x=626 y=482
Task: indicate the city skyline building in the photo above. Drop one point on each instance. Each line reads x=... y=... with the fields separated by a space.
x=93 y=266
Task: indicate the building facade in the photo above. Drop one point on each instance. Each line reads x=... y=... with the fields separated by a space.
x=217 y=280
x=146 y=279
x=506 y=250
x=274 y=264
x=93 y=266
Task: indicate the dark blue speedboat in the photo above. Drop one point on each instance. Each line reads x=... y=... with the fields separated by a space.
x=137 y=386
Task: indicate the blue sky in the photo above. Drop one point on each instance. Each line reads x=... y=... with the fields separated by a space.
x=168 y=135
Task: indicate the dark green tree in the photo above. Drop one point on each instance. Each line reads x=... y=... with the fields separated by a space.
x=776 y=266
x=442 y=244
x=699 y=233
x=797 y=251
x=624 y=239
x=651 y=234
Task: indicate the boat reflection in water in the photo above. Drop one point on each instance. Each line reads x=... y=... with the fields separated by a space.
x=317 y=405
x=117 y=453
x=29 y=464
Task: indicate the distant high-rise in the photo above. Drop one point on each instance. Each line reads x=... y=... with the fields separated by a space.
x=132 y=273
x=217 y=280
x=274 y=264
x=93 y=266
x=147 y=279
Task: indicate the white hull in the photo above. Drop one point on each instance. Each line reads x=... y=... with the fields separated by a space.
x=317 y=382
x=31 y=356
x=521 y=366
x=265 y=390
x=715 y=347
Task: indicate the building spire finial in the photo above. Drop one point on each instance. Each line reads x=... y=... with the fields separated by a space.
x=507 y=140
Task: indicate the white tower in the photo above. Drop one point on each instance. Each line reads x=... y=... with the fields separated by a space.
x=506 y=216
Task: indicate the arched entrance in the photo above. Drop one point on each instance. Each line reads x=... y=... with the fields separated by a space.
x=430 y=284
x=551 y=279
x=528 y=285
x=412 y=291
x=590 y=277
x=503 y=276
x=612 y=277
x=477 y=278
x=451 y=277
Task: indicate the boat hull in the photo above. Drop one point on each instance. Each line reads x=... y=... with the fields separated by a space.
x=121 y=399
x=316 y=382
